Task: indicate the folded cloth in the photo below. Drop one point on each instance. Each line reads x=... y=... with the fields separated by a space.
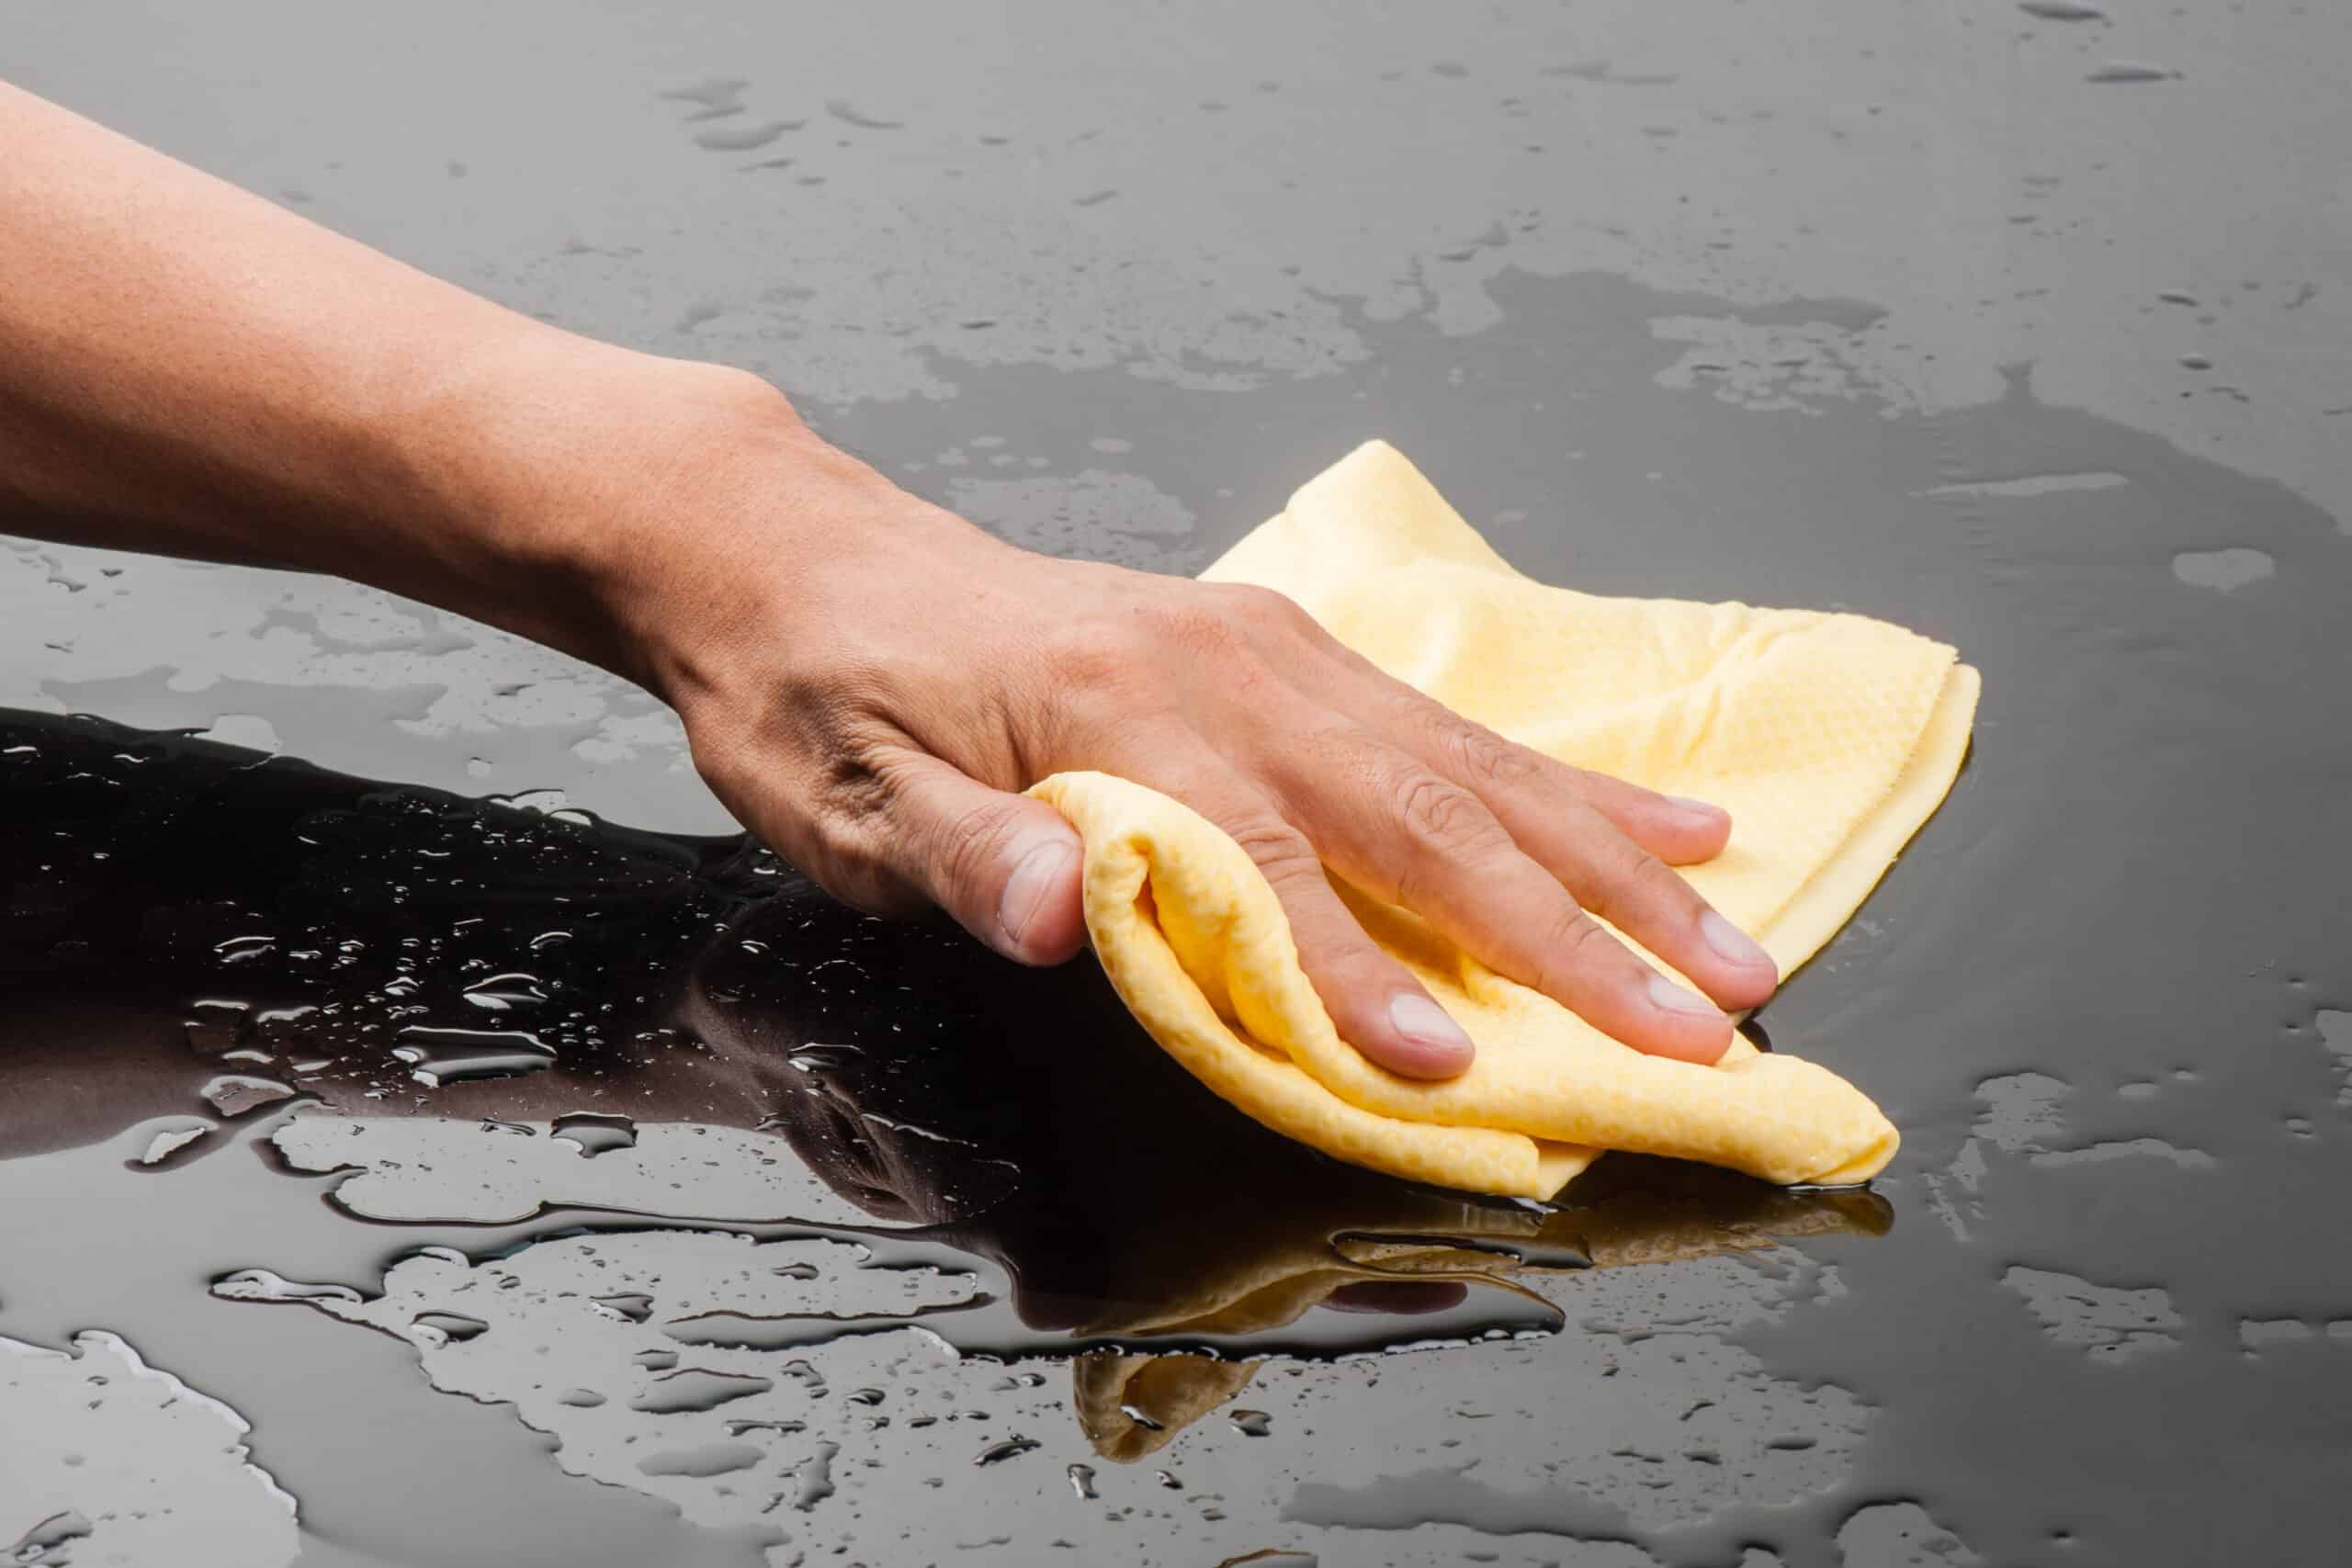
x=1829 y=737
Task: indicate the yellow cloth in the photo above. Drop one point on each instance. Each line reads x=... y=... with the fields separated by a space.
x=1829 y=737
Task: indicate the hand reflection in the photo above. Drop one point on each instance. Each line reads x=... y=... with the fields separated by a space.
x=184 y=916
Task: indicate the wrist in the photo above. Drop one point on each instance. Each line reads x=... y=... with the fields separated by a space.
x=611 y=504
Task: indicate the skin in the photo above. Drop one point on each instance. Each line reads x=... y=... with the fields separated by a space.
x=867 y=681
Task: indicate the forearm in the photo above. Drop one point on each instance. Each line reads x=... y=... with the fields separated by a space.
x=867 y=681
x=186 y=368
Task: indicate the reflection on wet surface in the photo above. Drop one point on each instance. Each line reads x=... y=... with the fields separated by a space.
x=769 y=1211
x=873 y=1203
x=816 y=1239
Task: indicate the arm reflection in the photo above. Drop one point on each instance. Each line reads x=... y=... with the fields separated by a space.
x=179 y=910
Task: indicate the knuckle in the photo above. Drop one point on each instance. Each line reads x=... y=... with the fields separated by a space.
x=1281 y=851
x=794 y=803
x=1094 y=709
x=1198 y=623
x=854 y=784
x=1204 y=635
x=1264 y=606
x=838 y=822
x=1575 y=944
x=1486 y=760
x=1090 y=658
x=1199 y=634
x=1627 y=876
x=1437 y=812
x=966 y=846
x=1090 y=718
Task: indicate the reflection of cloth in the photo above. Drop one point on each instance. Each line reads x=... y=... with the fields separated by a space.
x=1295 y=1257
x=1829 y=737
x=1130 y=1405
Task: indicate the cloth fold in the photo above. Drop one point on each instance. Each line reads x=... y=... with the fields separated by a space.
x=1829 y=737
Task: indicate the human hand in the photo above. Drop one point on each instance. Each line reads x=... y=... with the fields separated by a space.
x=868 y=682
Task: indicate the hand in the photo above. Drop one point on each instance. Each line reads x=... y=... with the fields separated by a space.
x=868 y=681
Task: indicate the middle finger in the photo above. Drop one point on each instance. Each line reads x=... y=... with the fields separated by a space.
x=1407 y=834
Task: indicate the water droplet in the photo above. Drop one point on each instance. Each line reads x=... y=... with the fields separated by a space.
x=2225 y=571
x=1008 y=1448
x=2062 y=11
x=500 y=993
x=703 y=1462
x=233 y=1094
x=744 y=138
x=633 y=1305
x=840 y=110
x=593 y=1133
x=172 y=1136
x=816 y=1477
x=261 y=1285
x=2131 y=70
x=819 y=1058
x=1082 y=1480
x=455 y=1327
x=714 y=93
x=42 y=1545
x=543 y=802
x=437 y=1057
x=2026 y=487
x=695 y=1389
x=1252 y=1423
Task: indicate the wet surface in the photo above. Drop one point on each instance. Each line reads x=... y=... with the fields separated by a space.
x=497 y=1182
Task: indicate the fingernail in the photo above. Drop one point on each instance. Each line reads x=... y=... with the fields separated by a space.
x=1027 y=888
x=1699 y=807
x=1732 y=944
x=1424 y=1022
x=1668 y=997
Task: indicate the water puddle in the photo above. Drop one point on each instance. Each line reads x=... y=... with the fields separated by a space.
x=672 y=1176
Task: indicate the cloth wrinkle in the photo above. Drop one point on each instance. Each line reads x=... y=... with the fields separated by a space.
x=1829 y=737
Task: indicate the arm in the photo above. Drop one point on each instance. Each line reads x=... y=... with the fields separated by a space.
x=867 y=680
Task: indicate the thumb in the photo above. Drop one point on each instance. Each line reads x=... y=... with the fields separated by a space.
x=1004 y=865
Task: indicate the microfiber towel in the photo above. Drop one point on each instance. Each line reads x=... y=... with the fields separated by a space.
x=1829 y=738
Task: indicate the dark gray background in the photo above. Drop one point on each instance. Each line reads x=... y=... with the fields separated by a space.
x=2033 y=333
